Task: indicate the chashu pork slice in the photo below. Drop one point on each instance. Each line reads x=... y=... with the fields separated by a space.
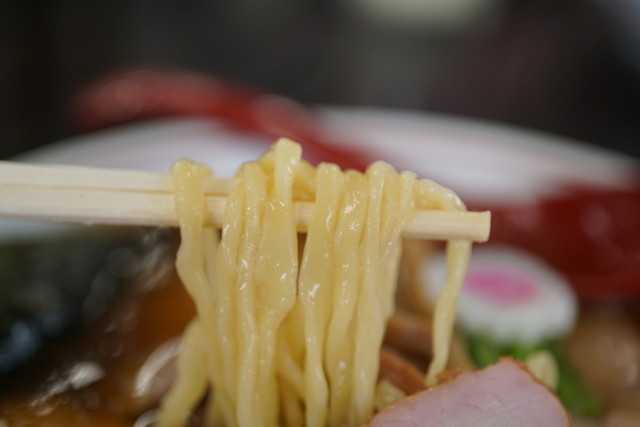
x=503 y=394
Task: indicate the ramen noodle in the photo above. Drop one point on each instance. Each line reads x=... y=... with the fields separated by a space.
x=289 y=326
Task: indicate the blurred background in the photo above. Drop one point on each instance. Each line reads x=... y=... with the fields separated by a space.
x=567 y=67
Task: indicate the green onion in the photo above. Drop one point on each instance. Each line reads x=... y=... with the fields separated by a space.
x=574 y=394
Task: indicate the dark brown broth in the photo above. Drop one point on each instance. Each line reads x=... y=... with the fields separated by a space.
x=88 y=376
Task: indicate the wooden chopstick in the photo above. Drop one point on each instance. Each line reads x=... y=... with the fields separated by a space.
x=122 y=197
x=82 y=177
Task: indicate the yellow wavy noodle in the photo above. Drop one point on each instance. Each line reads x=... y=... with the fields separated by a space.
x=315 y=285
x=190 y=383
x=288 y=339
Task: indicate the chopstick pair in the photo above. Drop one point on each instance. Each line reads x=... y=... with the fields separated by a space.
x=122 y=197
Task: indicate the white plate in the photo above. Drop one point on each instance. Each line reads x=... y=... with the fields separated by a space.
x=482 y=162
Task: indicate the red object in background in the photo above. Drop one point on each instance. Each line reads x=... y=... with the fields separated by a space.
x=591 y=236
x=138 y=94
